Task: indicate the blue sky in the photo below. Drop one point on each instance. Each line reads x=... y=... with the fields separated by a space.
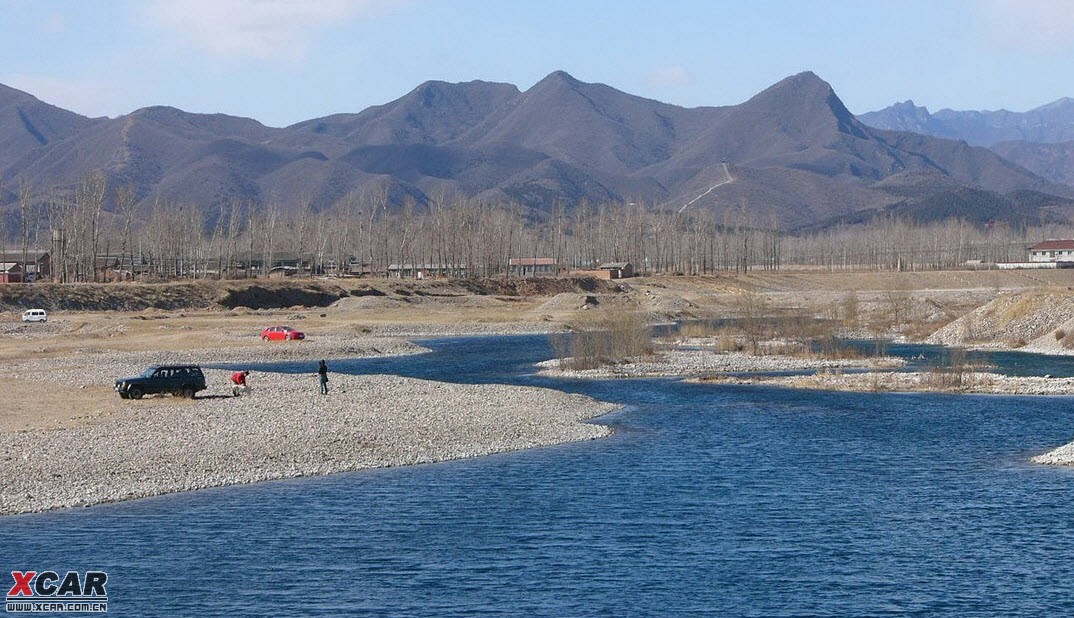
x=283 y=61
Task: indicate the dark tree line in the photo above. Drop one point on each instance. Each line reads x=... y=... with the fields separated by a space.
x=96 y=226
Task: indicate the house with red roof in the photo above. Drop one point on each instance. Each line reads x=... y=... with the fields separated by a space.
x=1052 y=251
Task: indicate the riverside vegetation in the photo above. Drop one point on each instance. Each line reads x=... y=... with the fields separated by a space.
x=760 y=337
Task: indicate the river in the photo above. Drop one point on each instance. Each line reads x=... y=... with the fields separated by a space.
x=708 y=500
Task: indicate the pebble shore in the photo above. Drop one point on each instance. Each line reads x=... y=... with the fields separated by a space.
x=982 y=383
x=285 y=428
x=692 y=363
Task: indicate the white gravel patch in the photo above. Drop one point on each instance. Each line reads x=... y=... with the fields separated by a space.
x=702 y=362
x=284 y=429
x=1062 y=456
x=980 y=382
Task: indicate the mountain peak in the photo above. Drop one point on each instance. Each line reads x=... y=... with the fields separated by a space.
x=557 y=78
x=806 y=83
x=908 y=106
x=805 y=100
x=561 y=74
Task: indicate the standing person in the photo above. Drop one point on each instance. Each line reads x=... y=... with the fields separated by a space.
x=238 y=383
x=322 y=372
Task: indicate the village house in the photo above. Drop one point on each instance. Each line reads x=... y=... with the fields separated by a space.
x=422 y=271
x=283 y=262
x=38 y=264
x=10 y=272
x=1052 y=251
x=618 y=270
x=533 y=267
x=350 y=267
x=609 y=270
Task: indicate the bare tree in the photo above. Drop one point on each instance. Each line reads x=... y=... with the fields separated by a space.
x=26 y=199
x=125 y=207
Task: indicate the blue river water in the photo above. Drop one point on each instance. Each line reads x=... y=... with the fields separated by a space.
x=708 y=501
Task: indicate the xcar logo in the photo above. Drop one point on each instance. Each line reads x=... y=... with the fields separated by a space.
x=46 y=591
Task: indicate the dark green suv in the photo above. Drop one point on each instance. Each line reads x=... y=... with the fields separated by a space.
x=184 y=380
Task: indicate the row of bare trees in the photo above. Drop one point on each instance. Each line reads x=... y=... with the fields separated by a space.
x=891 y=243
x=97 y=225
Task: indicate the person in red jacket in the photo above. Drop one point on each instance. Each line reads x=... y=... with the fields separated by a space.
x=238 y=383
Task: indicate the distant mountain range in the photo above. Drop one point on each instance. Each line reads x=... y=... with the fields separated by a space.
x=795 y=155
x=1046 y=124
x=1041 y=140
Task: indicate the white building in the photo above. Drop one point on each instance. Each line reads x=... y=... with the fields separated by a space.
x=1052 y=251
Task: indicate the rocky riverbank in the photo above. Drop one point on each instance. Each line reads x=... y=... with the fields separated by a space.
x=284 y=429
x=1062 y=456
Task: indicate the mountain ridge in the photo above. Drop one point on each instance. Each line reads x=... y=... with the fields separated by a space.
x=794 y=151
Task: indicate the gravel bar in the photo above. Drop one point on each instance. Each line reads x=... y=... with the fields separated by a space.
x=285 y=428
x=1062 y=456
x=692 y=363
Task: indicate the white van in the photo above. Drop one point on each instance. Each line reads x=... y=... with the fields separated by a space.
x=34 y=315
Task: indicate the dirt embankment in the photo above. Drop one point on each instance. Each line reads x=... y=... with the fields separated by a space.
x=167 y=296
x=1038 y=320
x=263 y=294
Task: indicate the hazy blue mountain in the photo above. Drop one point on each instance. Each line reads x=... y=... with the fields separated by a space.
x=1054 y=161
x=1047 y=124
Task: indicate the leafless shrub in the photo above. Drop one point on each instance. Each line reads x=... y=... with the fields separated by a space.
x=631 y=336
x=1060 y=334
x=875 y=383
x=785 y=348
x=698 y=330
x=752 y=310
x=730 y=343
x=561 y=346
x=610 y=338
x=832 y=349
x=899 y=304
x=919 y=329
x=956 y=373
x=803 y=327
x=850 y=310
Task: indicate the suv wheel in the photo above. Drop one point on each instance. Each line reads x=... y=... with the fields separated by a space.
x=135 y=392
x=287 y=337
x=188 y=392
x=264 y=337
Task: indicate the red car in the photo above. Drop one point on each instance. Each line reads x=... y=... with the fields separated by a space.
x=281 y=333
